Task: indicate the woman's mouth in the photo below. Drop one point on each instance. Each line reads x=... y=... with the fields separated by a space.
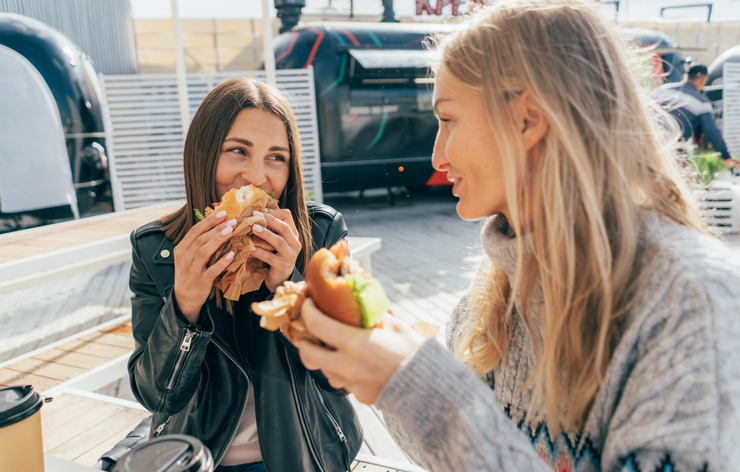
x=456 y=186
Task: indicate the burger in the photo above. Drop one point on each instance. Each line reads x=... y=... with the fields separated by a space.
x=338 y=286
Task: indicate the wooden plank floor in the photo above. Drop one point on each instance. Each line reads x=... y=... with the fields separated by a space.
x=54 y=366
x=81 y=430
x=35 y=241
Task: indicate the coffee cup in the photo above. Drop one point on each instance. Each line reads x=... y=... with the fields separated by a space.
x=21 y=443
x=169 y=453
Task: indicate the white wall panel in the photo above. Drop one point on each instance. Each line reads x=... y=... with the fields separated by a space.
x=145 y=140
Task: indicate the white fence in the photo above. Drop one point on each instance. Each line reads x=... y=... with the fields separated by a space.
x=720 y=206
x=144 y=137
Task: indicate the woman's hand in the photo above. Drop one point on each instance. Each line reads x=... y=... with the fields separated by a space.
x=283 y=236
x=362 y=360
x=193 y=278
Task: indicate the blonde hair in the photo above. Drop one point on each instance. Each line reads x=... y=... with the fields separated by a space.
x=603 y=162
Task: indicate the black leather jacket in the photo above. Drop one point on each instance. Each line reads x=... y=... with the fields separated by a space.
x=195 y=377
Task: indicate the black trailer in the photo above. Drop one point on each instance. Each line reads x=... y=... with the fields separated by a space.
x=73 y=82
x=374 y=100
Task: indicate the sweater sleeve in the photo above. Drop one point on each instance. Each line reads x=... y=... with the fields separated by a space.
x=445 y=418
x=451 y=419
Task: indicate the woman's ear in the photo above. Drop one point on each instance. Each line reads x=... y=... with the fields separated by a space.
x=532 y=121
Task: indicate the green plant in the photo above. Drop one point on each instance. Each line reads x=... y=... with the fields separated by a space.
x=708 y=164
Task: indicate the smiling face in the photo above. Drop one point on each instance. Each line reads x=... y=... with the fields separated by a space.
x=466 y=149
x=255 y=151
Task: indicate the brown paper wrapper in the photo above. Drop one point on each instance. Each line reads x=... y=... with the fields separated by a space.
x=245 y=273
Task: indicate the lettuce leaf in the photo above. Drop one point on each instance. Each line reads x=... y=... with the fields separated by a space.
x=371 y=298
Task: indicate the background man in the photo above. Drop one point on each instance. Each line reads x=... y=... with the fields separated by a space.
x=693 y=111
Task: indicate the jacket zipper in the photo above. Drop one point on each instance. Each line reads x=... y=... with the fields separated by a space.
x=244 y=407
x=160 y=428
x=184 y=349
x=300 y=411
x=337 y=428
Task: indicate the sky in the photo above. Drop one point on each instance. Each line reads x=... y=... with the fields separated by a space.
x=629 y=10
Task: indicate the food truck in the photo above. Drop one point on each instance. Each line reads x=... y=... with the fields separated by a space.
x=373 y=100
x=52 y=141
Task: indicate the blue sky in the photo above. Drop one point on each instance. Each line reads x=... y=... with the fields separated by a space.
x=632 y=10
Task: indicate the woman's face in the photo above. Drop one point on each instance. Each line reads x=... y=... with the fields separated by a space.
x=465 y=148
x=255 y=151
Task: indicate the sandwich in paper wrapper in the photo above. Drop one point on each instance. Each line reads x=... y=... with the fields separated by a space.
x=245 y=273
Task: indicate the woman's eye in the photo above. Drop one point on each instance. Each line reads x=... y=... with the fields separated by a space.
x=237 y=151
x=278 y=158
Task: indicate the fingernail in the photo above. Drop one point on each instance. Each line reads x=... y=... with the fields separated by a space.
x=230 y=255
x=231 y=222
x=226 y=230
x=254 y=248
x=257 y=228
x=221 y=214
x=258 y=213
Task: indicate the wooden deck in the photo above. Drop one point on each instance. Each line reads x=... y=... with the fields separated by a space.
x=76 y=428
x=44 y=239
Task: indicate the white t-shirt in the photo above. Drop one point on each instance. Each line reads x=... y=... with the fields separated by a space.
x=245 y=448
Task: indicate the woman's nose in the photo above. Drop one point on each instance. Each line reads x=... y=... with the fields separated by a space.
x=439 y=158
x=254 y=173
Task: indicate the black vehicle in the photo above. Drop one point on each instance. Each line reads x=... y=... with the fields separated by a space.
x=72 y=80
x=374 y=100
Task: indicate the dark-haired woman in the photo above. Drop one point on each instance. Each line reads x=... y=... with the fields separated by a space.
x=215 y=374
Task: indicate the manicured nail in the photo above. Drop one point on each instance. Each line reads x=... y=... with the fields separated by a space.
x=258 y=213
x=230 y=255
x=227 y=230
x=257 y=228
x=221 y=214
x=231 y=222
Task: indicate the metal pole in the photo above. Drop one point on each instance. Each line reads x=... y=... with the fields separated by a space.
x=182 y=84
x=267 y=43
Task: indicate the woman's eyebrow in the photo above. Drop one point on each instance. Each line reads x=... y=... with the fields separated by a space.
x=240 y=140
x=280 y=148
x=438 y=101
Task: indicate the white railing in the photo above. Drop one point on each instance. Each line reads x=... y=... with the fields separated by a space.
x=144 y=136
x=720 y=204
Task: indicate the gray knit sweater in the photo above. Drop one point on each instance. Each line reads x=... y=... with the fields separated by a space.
x=670 y=400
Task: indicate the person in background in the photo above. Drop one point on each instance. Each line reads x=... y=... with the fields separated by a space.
x=602 y=331
x=692 y=110
x=213 y=373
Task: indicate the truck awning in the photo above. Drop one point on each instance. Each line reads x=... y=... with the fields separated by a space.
x=394 y=58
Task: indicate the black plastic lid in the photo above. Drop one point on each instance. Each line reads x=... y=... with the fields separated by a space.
x=17 y=403
x=170 y=453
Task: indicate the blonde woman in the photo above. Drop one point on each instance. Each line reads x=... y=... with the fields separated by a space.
x=603 y=329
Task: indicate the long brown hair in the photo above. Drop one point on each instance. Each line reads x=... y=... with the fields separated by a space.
x=205 y=137
x=603 y=168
